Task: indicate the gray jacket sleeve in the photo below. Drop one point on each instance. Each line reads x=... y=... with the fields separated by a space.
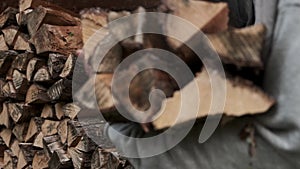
x=278 y=132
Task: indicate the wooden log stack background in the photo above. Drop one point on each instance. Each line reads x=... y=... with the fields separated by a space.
x=39 y=45
x=38 y=120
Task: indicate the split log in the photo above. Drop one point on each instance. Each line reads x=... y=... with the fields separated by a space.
x=91 y=21
x=94 y=127
x=71 y=110
x=214 y=19
x=38 y=141
x=8 y=17
x=10 y=160
x=67 y=71
x=214 y=15
x=15 y=148
x=40 y=160
x=59 y=39
x=20 y=131
x=104 y=159
x=15 y=39
x=243 y=98
x=86 y=144
x=9 y=91
x=59 y=113
x=62 y=130
x=26 y=155
x=49 y=127
x=6 y=134
x=21 y=61
x=22 y=17
x=79 y=158
x=20 y=82
x=5 y=118
x=42 y=76
x=22 y=43
x=21 y=112
x=37 y=94
x=60 y=159
x=240 y=47
x=48 y=112
x=56 y=63
x=42 y=15
x=51 y=143
x=3 y=46
x=35 y=127
x=6 y=59
x=75 y=133
x=33 y=66
x=61 y=90
x=32 y=4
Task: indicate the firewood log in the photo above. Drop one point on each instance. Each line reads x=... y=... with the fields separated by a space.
x=35 y=127
x=42 y=15
x=20 y=82
x=8 y=17
x=6 y=134
x=59 y=113
x=56 y=63
x=15 y=148
x=33 y=66
x=3 y=46
x=42 y=76
x=51 y=143
x=62 y=130
x=242 y=98
x=6 y=58
x=32 y=4
x=37 y=94
x=79 y=158
x=26 y=155
x=15 y=39
x=60 y=159
x=22 y=17
x=71 y=110
x=21 y=112
x=48 y=112
x=38 y=141
x=75 y=133
x=61 y=90
x=40 y=160
x=9 y=91
x=60 y=39
x=20 y=131
x=49 y=127
x=21 y=61
x=91 y=21
x=103 y=159
x=67 y=71
x=240 y=47
x=10 y=160
x=5 y=118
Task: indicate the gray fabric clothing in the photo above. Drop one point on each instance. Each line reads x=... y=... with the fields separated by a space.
x=278 y=131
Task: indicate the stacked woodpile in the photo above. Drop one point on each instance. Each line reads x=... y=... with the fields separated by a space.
x=38 y=51
x=39 y=126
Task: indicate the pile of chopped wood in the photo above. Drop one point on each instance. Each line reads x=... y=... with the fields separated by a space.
x=39 y=126
x=38 y=123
